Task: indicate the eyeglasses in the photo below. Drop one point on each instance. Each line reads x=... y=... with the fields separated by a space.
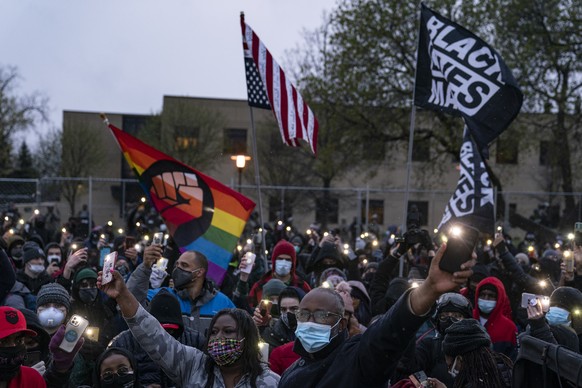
x=443 y=317
x=319 y=316
x=109 y=376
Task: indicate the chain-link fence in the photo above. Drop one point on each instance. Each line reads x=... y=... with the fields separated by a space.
x=106 y=199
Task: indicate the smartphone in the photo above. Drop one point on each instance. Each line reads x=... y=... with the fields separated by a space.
x=108 y=265
x=92 y=333
x=129 y=242
x=461 y=241
x=73 y=332
x=578 y=233
x=528 y=299
x=249 y=257
x=104 y=251
x=158 y=238
x=419 y=379
x=568 y=259
x=162 y=263
x=265 y=307
x=32 y=358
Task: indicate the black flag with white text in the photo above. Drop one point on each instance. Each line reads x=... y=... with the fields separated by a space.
x=472 y=201
x=459 y=74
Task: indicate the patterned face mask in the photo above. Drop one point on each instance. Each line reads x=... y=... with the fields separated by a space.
x=225 y=351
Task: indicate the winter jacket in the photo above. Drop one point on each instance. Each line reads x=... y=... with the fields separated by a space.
x=8 y=278
x=256 y=293
x=554 y=334
x=366 y=360
x=207 y=304
x=501 y=329
x=27 y=378
x=149 y=371
x=33 y=284
x=379 y=285
x=282 y=357
x=20 y=298
x=183 y=364
x=276 y=334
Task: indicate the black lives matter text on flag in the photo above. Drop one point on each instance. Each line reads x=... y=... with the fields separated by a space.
x=458 y=73
x=472 y=200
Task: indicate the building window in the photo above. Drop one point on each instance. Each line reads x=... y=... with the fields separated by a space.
x=276 y=210
x=235 y=141
x=376 y=206
x=422 y=208
x=546 y=153
x=186 y=137
x=421 y=150
x=507 y=151
x=328 y=207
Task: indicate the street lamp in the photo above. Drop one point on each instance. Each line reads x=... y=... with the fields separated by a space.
x=240 y=161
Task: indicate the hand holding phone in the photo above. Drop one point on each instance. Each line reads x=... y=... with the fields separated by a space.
x=108 y=267
x=73 y=332
x=265 y=307
x=461 y=241
x=419 y=379
x=158 y=238
x=528 y=299
x=249 y=260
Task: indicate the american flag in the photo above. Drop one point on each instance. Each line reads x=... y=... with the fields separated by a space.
x=269 y=88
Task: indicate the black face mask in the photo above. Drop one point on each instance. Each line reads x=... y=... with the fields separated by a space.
x=442 y=326
x=10 y=361
x=289 y=320
x=88 y=295
x=181 y=278
x=120 y=381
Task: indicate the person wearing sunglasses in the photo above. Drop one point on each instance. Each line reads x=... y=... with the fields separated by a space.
x=329 y=358
x=116 y=367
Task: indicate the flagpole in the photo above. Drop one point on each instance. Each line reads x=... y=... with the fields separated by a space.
x=258 y=183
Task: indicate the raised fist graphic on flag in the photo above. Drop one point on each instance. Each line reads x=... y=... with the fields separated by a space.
x=179 y=189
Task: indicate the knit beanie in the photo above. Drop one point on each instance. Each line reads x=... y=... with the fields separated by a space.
x=32 y=251
x=273 y=288
x=465 y=336
x=166 y=309
x=283 y=247
x=329 y=251
x=85 y=273
x=53 y=293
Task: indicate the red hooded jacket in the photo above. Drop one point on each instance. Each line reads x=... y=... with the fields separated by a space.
x=282 y=248
x=501 y=329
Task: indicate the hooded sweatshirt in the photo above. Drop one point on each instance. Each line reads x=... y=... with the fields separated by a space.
x=501 y=329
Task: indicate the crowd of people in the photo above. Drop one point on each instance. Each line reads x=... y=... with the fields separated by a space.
x=321 y=309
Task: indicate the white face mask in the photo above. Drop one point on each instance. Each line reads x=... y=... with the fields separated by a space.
x=283 y=267
x=51 y=318
x=51 y=258
x=36 y=268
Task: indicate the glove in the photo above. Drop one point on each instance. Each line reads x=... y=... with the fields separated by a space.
x=63 y=361
x=157 y=277
x=39 y=367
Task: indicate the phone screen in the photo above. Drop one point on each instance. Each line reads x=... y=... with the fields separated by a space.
x=461 y=241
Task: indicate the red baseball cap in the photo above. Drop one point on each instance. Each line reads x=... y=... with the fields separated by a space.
x=13 y=321
x=170 y=326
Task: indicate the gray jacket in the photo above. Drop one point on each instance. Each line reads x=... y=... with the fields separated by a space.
x=181 y=363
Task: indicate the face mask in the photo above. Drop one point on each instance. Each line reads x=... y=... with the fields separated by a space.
x=36 y=268
x=297 y=248
x=486 y=306
x=181 y=278
x=314 y=336
x=52 y=258
x=444 y=325
x=51 y=318
x=558 y=316
x=123 y=271
x=124 y=380
x=283 y=267
x=453 y=371
x=225 y=351
x=17 y=254
x=289 y=320
x=88 y=295
x=10 y=361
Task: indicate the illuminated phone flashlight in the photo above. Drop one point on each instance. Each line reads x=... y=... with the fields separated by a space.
x=138 y=224
x=435 y=230
x=325 y=234
x=326 y=284
x=362 y=236
x=239 y=248
x=266 y=252
x=109 y=223
x=137 y=247
x=120 y=231
x=308 y=231
x=346 y=246
x=249 y=241
x=21 y=221
x=366 y=234
x=146 y=237
x=89 y=332
x=571 y=236
x=102 y=236
x=456 y=231
x=375 y=243
x=365 y=261
x=288 y=229
x=530 y=248
x=74 y=246
x=279 y=223
x=11 y=231
x=414 y=285
x=444 y=238
x=36 y=212
x=143 y=199
x=392 y=236
x=499 y=228
x=489 y=242
x=346 y=251
x=64 y=230
x=567 y=254
x=543 y=284
x=557 y=245
x=577 y=312
x=6 y=218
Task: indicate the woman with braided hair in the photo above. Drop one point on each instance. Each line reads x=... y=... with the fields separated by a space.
x=471 y=361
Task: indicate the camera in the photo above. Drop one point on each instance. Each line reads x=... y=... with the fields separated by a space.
x=414 y=234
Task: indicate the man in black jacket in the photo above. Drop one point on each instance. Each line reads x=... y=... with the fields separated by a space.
x=330 y=359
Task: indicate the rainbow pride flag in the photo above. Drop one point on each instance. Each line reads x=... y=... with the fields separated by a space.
x=201 y=213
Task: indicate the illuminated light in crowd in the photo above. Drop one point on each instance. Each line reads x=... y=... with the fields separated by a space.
x=239 y=248
x=138 y=224
x=576 y=312
x=11 y=231
x=36 y=212
x=325 y=234
x=375 y=243
x=530 y=248
x=414 y=285
x=249 y=241
x=557 y=245
x=392 y=236
x=288 y=229
x=346 y=246
x=21 y=221
x=143 y=199
x=64 y=230
x=346 y=251
x=489 y=242
x=308 y=231
x=109 y=223
x=261 y=345
x=571 y=236
x=444 y=238
x=120 y=231
x=102 y=236
x=543 y=283
x=366 y=234
x=73 y=246
x=326 y=284
x=567 y=253
x=435 y=230
x=279 y=222
x=146 y=237
x=499 y=228
x=137 y=247
x=166 y=236
x=365 y=261
x=456 y=231
x=260 y=230
x=362 y=236
x=266 y=252
x=89 y=332
x=6 y=218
